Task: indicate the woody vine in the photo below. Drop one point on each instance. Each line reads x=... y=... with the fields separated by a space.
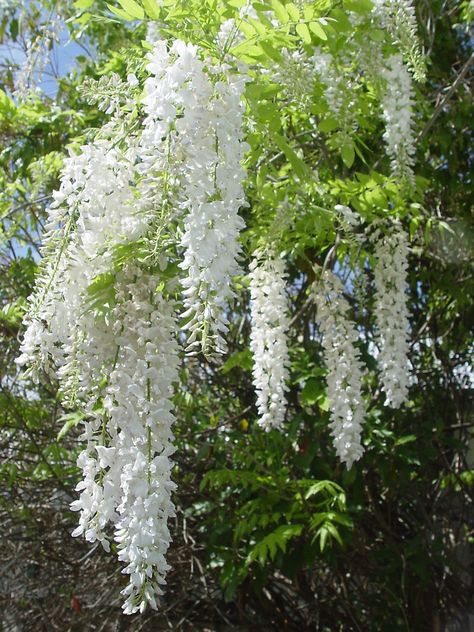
x=144 y=250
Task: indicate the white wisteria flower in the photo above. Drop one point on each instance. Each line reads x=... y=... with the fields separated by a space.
x=212 y=196
x=399 y=19
x=344 y=367
x=102 y=326
x=397 y=106
x=268 y=338
x=392 y=316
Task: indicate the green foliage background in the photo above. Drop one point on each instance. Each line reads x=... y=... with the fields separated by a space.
x=271 y=532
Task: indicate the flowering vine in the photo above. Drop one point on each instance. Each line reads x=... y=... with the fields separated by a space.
x=144 y=233
x=103 y=325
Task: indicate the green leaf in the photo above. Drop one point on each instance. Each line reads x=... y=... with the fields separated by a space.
x=14 y=29
x=280 y=11
x=323 y=536
x=293 y=11
x=405 y=439
x=303 y=31
x=359 y=6
x=100 y=283
x=331 y=489
x=132 y=8
x=348 y=154
x=318 y=30
x=332 y=530
x=377 y=35
x=323 y=403
x=151 y=9
x=298 y=165
x=7 y=106
x=328 y=124
x=270 y=51
x=311 y=392
x=277 y=539
x=70 y=421
x=242 y=359
x=120 y=12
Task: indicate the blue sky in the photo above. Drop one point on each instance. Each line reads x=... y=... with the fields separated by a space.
x=61 y=60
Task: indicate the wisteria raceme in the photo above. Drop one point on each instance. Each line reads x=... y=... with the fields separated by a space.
x=105 y=330
x=230 y=34
x=398 y=17
x=213 y=195
x=127 y=471
x=162 y=151
x=392 y=317
x=37 y=56
x=296 y=74
x=397 y=105
x=197 y=156
x=139 y=403
x=90 y=213
x=344 y=367
x=325 y=69
x=340 y=90
x=349 y=219
x=268 y=338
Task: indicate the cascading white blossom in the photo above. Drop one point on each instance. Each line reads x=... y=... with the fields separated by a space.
x=399 y=19
x=196 y=111
x=139 y=406
x=397 y=106
x=102 y=325
x=162 y=150
x=268 y=338
x=213 y=195
x=127 y=470
x=296 y=74
x=344 y=367
x=392 y=317
x=92 y=211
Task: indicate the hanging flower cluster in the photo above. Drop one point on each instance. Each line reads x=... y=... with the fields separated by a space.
x=118 y=368
x=270 y=322
x=334 y=82
x=198 y=111
x=397 y=105
x=344 y=367
x=296 y=75
x=37 y=55
x=213 y=195
x=103 y=323
x=391 y=311
x=399 y=19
